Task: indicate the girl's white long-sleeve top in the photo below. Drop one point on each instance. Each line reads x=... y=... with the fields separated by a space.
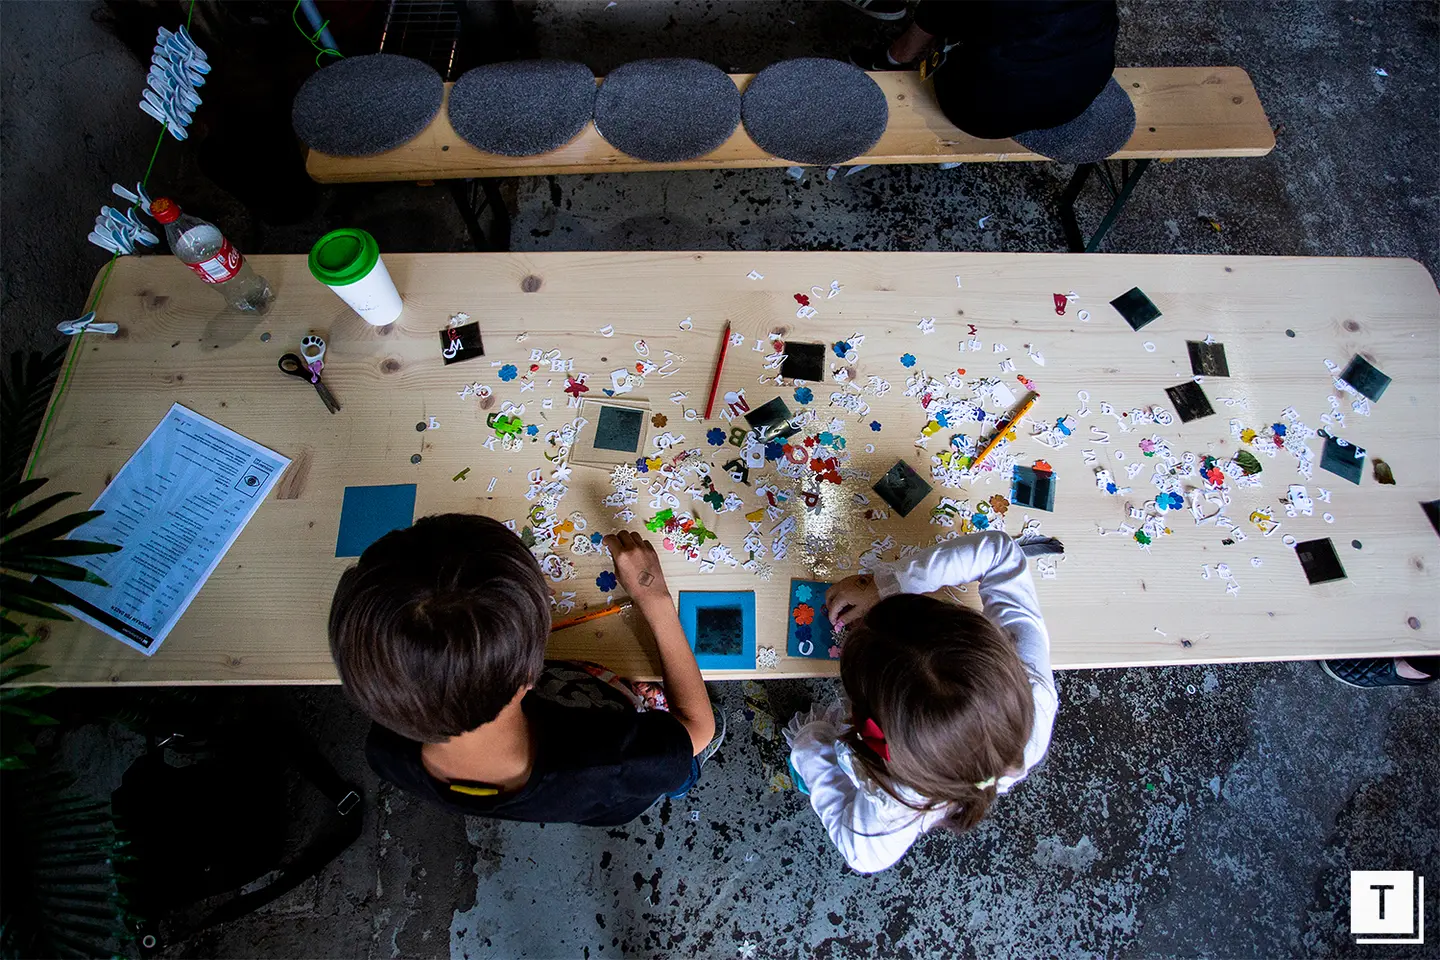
x=871 y=829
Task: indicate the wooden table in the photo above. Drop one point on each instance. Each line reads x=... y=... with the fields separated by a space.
x=1179 y=112
x=261 y=617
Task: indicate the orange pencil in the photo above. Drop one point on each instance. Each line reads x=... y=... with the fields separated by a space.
x=592 y=615
x=1000 y=434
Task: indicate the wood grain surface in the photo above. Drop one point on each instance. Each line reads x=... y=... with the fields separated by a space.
x=261 y=617
x=1179 y=111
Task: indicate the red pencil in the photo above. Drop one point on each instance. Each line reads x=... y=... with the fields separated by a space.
x=719 y=366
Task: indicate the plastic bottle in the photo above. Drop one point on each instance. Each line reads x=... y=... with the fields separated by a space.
x=203 y=248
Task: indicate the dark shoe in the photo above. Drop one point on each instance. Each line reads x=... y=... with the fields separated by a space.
x=874 y=57
x=881 y=9
x=1366 y=674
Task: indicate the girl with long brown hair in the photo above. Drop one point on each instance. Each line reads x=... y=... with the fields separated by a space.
x=945 y=708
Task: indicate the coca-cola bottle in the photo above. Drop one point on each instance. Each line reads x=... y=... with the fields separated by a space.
x=203 y=248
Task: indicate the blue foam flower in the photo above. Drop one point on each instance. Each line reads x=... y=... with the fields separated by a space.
x=532 y=430
x=802 y=632
x=907 y=360
x=980 y=521
x=774 y=450
x=508 y=372
x=841 y=347
x=875 y=425
x=1111 y=488
x=804 y=395
x=715 y=436
x=606 y=581
x=1279 y=429
x=641 y=466
x=942 y=418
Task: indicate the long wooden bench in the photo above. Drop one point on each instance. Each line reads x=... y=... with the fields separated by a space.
x=1180 y=112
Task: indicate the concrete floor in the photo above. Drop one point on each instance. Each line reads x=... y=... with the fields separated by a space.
x=1201 y=811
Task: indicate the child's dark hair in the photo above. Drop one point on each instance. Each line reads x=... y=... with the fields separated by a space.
x=948 y=690
x=438 y=625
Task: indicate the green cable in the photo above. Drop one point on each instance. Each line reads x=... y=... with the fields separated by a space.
x=95 y=300
x=313 y=37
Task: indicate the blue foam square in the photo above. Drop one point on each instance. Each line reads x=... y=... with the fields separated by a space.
x=368 y=513
x=710 y=619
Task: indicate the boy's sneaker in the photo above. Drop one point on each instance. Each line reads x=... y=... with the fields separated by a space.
x=715 y=741
x=877 y=57
x=1368 y=674
x=881 y=9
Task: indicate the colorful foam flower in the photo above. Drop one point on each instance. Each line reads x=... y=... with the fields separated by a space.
x=804 y=614
x=834 y=652
x=774 y=450
x=907 y=360
x=532 y=430
x=802 y=633
x=606 y=581
x=715 y=436
x=595 y=538
x=804 y=395
x=1147 y=447
x=509 y=372
x=841 y=347
x=980 y=521
x=875 y=425
x=942 y=418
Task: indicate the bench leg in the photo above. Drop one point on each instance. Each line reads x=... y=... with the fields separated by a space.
x=1130 y=173
x=472 y=196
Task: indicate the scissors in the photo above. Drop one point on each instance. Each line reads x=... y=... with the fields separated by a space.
x=295 y=367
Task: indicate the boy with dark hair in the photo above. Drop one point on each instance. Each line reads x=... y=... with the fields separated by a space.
x=439 y=635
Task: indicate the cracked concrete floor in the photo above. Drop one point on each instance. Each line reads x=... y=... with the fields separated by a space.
x=1182 y=812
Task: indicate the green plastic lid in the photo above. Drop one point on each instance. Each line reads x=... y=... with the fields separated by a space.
x=343 y=256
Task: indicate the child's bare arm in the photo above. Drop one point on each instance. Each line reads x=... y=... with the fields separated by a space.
x=637 y=567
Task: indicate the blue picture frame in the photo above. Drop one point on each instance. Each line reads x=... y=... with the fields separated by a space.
x=692 y=602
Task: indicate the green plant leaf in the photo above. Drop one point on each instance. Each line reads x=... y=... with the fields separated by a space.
x=11 y=763
x=53 y=530
x=13 y=494
x=9 y=523
x=10 y=694
x=35 y=589
x=72 y=548
x=44 y=567
x=29 y=716
x=14 y=648
x=23 y=604
x=9 y=630
x=11 y=674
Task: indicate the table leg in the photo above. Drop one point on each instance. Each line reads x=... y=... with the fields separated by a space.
x=472 y=196
x=1130 y=173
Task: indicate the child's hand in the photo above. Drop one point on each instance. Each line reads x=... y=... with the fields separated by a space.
x=849 y=600
x=637 y=567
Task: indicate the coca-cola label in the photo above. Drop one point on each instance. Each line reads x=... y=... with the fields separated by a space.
x=222 y=266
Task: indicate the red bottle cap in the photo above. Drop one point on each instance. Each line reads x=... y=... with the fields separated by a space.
x=164 y=210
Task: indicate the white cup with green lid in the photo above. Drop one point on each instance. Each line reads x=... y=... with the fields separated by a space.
x=348 y=262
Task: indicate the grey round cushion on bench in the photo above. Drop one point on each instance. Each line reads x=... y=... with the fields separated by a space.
x=813 y=110
x=366 y=105
x=1104 y=127
x=667 y=110
x=523 y=107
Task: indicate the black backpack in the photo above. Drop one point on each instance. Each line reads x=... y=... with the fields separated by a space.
x=199 y=819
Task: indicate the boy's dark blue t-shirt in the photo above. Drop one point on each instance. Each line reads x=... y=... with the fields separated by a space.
x=592 y=766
